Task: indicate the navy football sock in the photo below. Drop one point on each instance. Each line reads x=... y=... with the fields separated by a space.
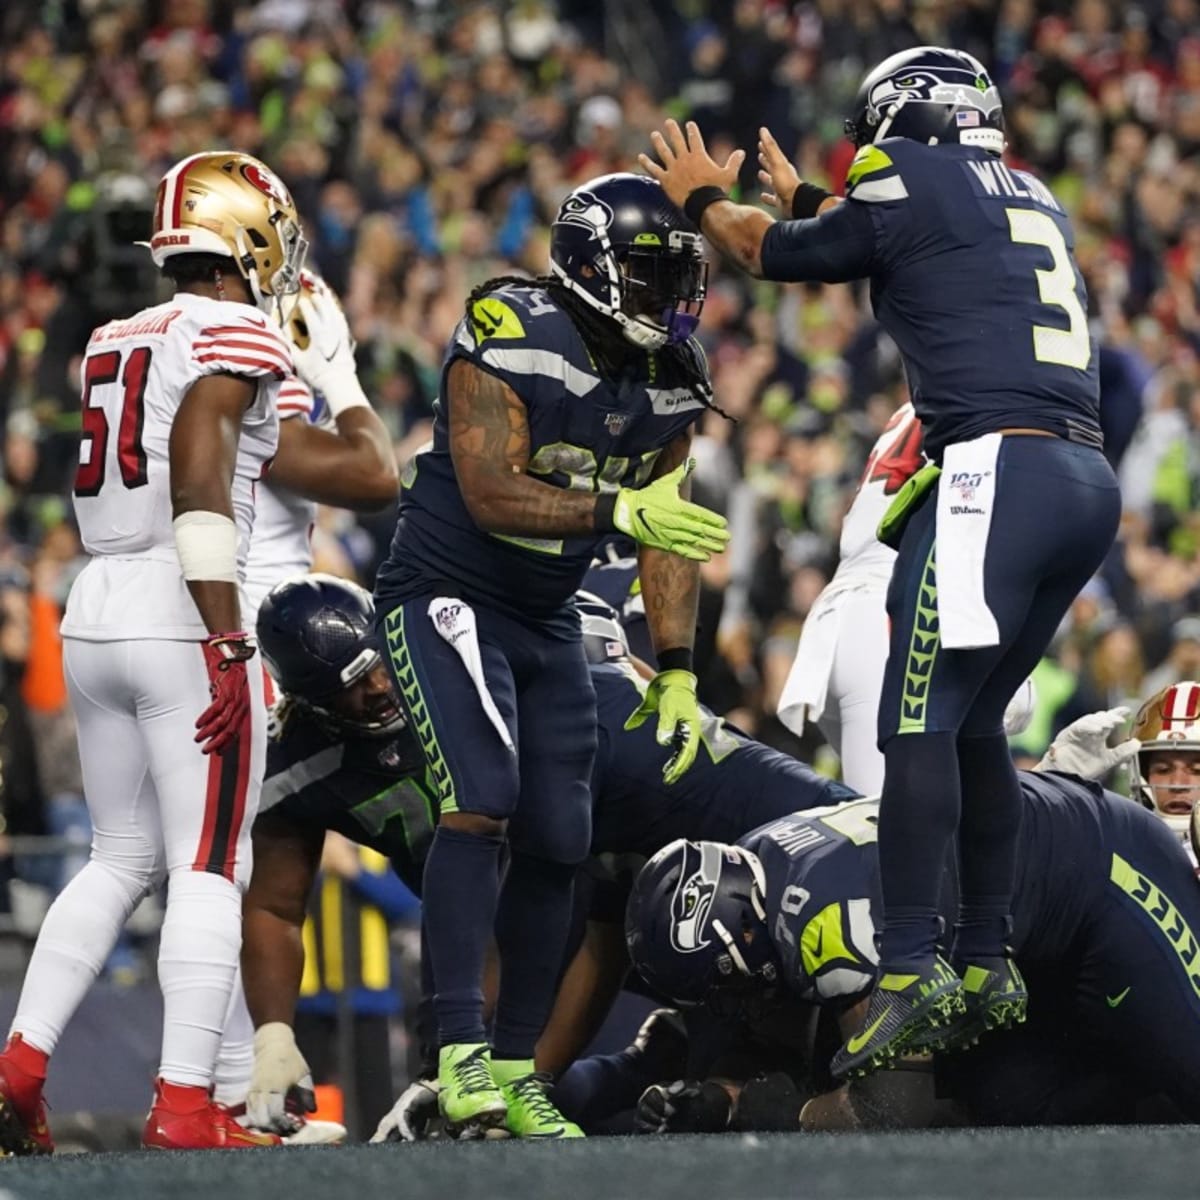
x=918 y=813
x=987 y=839
x=531 y=934
x=461 y=883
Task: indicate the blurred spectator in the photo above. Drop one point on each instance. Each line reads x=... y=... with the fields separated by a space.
x=429 y=145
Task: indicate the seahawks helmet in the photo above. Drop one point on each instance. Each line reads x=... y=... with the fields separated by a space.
x=604 y=639
x=931 y=95
x=629 y=254
x=316 y=634
x=696 y=924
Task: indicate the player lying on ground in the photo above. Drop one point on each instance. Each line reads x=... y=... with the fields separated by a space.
x=1107 y=908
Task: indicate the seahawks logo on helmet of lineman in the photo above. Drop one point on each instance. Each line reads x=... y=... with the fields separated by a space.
x=696 y=922
x=694 y=895
x=932 y=95
x=621 y=247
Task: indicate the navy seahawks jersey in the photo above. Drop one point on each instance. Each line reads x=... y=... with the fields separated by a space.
x=824 y=899
x=372 y=790
x=586 y=432
x=734 y=784
x=973 y=275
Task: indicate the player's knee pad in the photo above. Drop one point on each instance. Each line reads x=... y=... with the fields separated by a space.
x=562 y=841
x=558 y=830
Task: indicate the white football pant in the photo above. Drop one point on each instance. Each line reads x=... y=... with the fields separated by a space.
x=159 y=809
x=839 y=672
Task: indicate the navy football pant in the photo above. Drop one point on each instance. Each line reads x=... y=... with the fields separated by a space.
x=947 y=766
x=539 y=682
x=1115 y=1019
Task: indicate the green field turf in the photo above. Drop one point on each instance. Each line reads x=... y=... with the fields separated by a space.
x=1095 y=1164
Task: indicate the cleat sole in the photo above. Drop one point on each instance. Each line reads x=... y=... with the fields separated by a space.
x=478 y=1125
x=14 y=1141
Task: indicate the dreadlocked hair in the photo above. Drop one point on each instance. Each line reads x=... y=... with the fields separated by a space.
x=608 y=349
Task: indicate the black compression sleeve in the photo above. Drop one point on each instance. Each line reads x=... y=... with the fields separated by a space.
x=834 y=247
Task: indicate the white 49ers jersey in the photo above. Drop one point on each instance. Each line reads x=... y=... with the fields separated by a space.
x=282 y=542
x=895 y=457
x=135 y=375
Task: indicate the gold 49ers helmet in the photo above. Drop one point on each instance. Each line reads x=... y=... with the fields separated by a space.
x=230 y=204
x=1169 y=722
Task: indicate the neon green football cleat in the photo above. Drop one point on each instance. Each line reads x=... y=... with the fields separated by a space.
x=531 y=1113
x=908 y=1011
x=995 y=997
x=468 y=1098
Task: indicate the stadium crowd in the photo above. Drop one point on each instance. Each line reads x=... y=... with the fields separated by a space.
x=429 y=144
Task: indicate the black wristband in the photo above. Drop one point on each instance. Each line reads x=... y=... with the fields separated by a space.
x=606 y=504
x=806 y=200
x=677 y=659
x=699 y=199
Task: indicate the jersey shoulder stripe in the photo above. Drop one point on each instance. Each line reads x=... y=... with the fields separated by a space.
x=251 y=364
x=295 y=398
x=874 y=177
x=519 y=334
x=244 y=346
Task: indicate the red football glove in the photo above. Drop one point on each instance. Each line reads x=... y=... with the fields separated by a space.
x=225 y=657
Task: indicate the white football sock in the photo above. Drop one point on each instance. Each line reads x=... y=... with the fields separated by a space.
x=197 y=960
x=235 y=1061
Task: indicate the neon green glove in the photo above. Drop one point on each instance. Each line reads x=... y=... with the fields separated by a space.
x=672 y=694
x=658 y=516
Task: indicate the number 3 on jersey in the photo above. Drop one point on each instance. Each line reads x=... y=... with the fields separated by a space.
x=1069 y=347
x=100 y=373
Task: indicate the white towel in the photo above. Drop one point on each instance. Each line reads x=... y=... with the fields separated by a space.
x=455 y=622
x=805 y=689
x=966 y=496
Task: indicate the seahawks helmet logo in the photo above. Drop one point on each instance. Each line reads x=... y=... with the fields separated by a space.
x=694 y=896
x=584 y=209
x=968 y=89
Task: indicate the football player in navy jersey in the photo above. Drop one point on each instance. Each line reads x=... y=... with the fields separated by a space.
x=565 y=415
x=1106 y=916
x=972 y=273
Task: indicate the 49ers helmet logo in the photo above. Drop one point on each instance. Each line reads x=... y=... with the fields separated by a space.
x=266 y=182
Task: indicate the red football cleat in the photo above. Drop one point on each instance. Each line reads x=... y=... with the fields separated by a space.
x=23 y=1127
x=186 y=1118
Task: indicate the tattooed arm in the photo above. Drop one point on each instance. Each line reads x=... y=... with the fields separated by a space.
x=489 y=444
x=670 y=584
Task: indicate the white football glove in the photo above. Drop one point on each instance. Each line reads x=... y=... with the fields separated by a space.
x=279 y=1068
x=411 y=1114
x=1082 y=748
x=322 y=346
